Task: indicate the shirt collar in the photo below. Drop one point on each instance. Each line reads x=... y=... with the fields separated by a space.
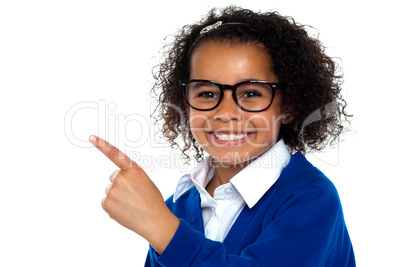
x=252 y=182
x=199 y=177
x=256 y=178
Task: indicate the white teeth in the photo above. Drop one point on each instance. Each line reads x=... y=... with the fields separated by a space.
x=229 y=137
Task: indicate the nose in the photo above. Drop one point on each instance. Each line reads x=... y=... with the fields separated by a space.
x=227 y=110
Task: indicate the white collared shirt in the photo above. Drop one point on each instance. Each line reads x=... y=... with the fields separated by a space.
x=245 y=188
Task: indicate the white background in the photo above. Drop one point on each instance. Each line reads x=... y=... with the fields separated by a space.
x=69 y=69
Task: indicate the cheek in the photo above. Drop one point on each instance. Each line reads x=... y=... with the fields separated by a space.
x=264 y=122
x=261 y=123
x=199 y=122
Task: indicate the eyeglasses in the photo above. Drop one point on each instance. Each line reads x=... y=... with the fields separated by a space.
x=253 y=96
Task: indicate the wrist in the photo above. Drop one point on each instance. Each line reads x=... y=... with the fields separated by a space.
x=162 y=231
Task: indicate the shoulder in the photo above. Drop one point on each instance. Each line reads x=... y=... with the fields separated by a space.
x=302 y=184
x=300 y=174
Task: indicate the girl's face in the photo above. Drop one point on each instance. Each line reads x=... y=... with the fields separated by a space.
x=227 y=133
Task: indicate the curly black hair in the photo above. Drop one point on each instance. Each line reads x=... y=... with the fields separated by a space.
x=312 y=96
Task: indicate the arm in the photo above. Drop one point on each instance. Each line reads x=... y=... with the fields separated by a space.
x=301 y=228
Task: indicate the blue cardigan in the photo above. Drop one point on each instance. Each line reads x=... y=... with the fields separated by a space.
x=298 y=222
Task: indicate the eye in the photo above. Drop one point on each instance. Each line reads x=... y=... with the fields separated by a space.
x=253 y=91
x=207 y=94
x=250 y=93
x=204 y=90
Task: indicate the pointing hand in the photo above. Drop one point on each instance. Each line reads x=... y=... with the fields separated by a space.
x=134 y=201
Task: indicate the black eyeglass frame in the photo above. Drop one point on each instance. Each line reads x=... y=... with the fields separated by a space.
x=274 y=86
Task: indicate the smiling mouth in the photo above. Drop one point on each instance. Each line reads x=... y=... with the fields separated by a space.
x=229 y=137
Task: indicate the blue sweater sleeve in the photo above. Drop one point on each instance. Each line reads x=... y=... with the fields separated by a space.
x=302 y=227
x=190 y=248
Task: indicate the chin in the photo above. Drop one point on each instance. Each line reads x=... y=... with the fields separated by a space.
x=232 y=158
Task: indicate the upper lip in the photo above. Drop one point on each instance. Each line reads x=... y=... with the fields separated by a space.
x=219 y=131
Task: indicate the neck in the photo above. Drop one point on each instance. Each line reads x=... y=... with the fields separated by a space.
x=223 y=174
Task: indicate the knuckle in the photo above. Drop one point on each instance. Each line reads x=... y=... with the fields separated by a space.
x=111 y=193
x=118 y=180
x=106 y=204
x=113 y=153
x=113 y=176
x=134 y=165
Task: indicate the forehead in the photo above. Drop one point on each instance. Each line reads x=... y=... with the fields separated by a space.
x=238 y=61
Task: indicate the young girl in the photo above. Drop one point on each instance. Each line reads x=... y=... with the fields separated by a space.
x=241 y=86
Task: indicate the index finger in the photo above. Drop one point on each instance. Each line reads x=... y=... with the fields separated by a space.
x=113 y=153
